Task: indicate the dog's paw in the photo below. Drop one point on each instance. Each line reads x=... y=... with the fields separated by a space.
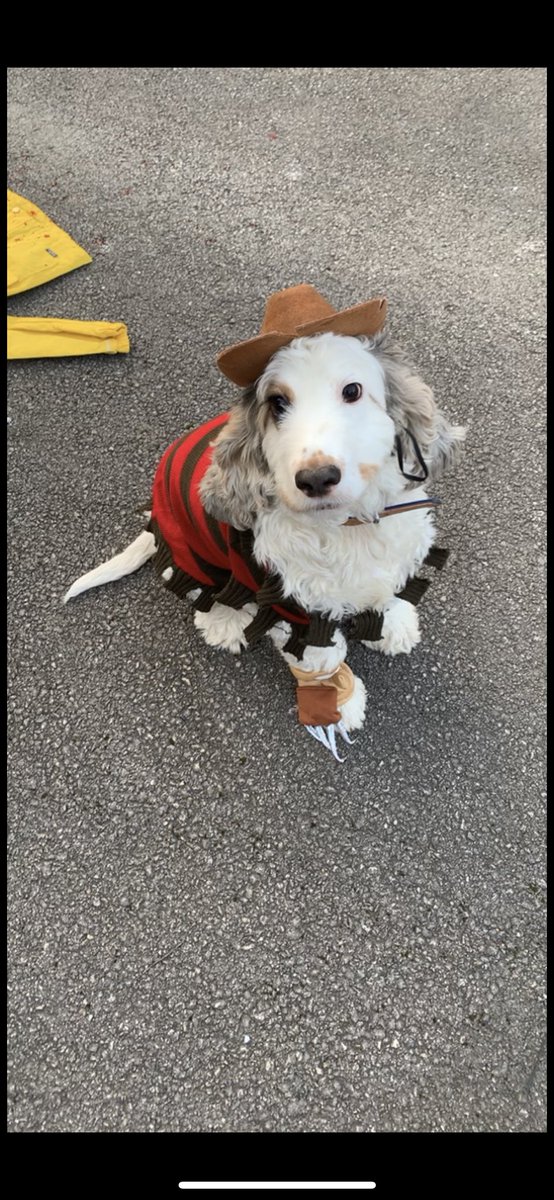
x=353 y=711
x=223 y=627
x=400 y=631
x=321 y=658
x=279 y=634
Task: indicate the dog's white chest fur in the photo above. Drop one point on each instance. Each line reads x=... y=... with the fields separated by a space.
x=327 y=431
x=338 y=569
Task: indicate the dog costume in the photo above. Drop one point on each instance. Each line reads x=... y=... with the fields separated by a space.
x=210 y=555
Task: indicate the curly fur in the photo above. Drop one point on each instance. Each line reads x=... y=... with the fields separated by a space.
x=240 y=483
x=324 y=565
x=413 y=408
x=295 y=418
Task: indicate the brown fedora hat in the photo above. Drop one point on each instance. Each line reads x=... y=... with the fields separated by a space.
x=296 y=312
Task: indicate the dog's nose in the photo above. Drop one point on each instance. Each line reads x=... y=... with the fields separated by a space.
x=318 y=482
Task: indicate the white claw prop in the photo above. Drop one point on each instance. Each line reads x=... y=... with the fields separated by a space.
x=327 y=736
x=344 y=733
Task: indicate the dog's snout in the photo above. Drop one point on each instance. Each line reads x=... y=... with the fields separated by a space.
x=317 y=482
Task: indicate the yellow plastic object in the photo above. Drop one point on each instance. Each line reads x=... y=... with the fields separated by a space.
x=38 y=250
x=50 y=337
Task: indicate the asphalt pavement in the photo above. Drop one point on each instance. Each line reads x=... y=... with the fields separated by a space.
x=213 y=925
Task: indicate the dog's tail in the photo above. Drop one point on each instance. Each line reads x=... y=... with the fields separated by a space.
x=129 y=560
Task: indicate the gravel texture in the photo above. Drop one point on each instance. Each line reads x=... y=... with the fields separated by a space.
x=214 y=927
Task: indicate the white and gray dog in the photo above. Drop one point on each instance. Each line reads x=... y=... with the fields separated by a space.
x=336 y=432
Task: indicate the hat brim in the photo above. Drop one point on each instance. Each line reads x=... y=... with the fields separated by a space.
x=244 y=362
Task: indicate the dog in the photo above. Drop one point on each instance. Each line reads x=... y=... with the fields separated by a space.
x=271 y=518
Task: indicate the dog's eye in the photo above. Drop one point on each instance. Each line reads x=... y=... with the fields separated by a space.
x=352 y=392
x=278 y=404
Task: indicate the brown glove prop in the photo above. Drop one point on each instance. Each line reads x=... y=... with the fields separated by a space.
x=319 y=697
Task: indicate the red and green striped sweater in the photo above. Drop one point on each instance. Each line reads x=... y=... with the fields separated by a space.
x=213 y=556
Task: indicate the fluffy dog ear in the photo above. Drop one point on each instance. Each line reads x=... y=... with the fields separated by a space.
x=237 y=483
x=411 y=404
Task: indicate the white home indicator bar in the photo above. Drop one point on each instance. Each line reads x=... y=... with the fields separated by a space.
x=337 y=1187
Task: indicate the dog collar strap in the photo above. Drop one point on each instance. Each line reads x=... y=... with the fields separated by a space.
x=418 y=454
x=392 y=509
